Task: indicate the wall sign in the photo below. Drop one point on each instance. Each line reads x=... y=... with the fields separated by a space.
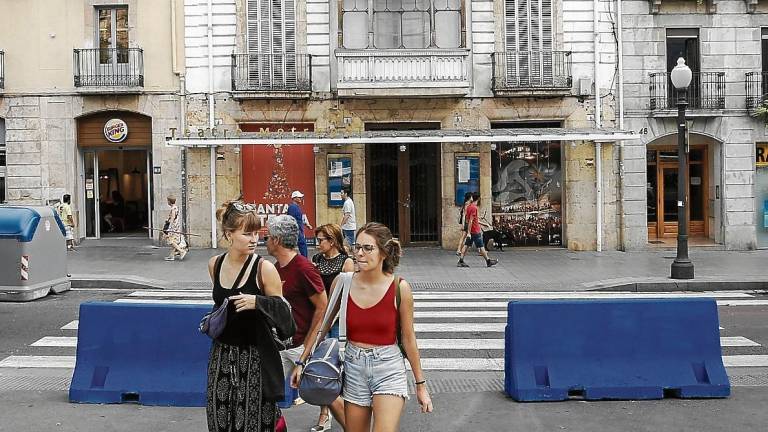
x=761 y=155
x=467 y=176
x=339 y=175
x=115 y=130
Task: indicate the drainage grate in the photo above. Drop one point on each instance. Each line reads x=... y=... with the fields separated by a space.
x=191 y=285
x=475 y=286
x=749 y=380
x=34 y=383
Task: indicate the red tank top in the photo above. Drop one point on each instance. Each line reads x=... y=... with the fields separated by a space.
x=376 y=325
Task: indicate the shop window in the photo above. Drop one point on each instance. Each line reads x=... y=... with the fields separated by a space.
x=403 y=24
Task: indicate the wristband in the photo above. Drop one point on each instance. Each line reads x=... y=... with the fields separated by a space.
x=424 y=381
x=299 y=363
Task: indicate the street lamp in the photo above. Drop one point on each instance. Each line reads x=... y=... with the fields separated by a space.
x=682 y=267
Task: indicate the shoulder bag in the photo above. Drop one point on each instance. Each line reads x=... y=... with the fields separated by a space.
x=214 y=322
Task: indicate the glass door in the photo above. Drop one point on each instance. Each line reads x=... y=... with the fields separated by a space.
x=112 y=39
x=91 y=185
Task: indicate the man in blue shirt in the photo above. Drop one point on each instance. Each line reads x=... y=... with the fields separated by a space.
x=294 y=210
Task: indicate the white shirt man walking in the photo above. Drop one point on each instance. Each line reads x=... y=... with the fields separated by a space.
x=348 y=219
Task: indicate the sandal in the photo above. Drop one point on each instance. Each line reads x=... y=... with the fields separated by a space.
x=324 y=426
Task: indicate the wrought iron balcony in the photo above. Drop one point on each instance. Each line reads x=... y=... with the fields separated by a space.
x=706 y=92
x=2 y=70
x=262 y=75
x=403 y=72
x=109 y=68
x=516 y=72
x=756 y=84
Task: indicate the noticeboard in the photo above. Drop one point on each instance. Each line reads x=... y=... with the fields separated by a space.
x=339 y=175
x=467 y=175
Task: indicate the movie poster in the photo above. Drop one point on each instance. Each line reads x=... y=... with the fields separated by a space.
x=271 y=172
x=527 y=193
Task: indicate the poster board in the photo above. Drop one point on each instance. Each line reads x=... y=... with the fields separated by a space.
x=467 y=175
x=339 y=175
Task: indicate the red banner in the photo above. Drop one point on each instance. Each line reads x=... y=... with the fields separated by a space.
x=272 y=172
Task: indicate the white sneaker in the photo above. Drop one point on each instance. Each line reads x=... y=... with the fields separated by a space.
x=169 y=258
x=325 y=427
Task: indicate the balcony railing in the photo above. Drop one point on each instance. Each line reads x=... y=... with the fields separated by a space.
x=109 y=67
x=532 y=70
x=426 y=71
x=706 y=91
x=757 y=89
x=2 y=69
x=265 y=73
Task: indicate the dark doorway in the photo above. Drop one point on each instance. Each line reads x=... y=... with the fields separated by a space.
x=403 y=185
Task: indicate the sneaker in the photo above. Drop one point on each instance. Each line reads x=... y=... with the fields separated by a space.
x=462 y=264
x=492 y=262
x=322 y=427
x=183 y=254
x=169 y=258
x=298 y=401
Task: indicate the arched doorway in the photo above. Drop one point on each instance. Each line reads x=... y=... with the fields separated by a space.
x=662 y=193
x=115 y=147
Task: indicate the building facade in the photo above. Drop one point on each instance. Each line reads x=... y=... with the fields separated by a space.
x=725 y=43
x=422 y=70
x=88 y=90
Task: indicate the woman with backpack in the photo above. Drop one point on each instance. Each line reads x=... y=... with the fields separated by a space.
x=380 y=335
x=245 y=372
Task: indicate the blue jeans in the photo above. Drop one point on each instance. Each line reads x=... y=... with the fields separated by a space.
x=350 y=236
x=302 y=245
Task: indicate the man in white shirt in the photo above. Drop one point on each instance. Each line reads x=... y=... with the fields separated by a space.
x=348 y=220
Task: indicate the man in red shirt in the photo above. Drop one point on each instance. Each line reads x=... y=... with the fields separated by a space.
x=302 y=288
x=475 y=234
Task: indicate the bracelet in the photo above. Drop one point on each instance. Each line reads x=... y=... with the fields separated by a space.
x=299 y=363
x=424 y=381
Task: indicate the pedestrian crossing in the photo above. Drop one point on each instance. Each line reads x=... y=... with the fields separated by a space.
x=456 y=331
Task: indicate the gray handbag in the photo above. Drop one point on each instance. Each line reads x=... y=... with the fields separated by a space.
x=323 y=376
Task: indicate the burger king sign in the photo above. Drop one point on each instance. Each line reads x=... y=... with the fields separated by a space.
x=116 y=130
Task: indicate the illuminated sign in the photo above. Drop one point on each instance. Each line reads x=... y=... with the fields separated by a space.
x=761 y=155
x=115 y=130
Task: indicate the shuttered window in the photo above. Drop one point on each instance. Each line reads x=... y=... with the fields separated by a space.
x=272 y=42
x=528 y=38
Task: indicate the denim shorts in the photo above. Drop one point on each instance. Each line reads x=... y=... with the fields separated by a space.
x=476 y=239
x=373 y=371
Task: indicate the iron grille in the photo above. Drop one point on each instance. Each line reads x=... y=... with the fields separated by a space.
x=109 y=67
x=757 y=89
x=272 y=72
x=2 y=69
x=515 y=70
x=706 y=91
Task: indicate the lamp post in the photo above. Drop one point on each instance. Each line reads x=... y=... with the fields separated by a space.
x=682 y=267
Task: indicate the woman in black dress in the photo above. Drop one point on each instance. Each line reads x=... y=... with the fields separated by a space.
x=330 y=261
x=245 y=374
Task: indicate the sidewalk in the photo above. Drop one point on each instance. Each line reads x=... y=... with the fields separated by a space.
x=134 y=263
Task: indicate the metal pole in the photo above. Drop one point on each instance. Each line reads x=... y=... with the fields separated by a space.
x=682 y=267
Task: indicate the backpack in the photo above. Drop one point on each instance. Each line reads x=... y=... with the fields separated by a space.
x=323 y=375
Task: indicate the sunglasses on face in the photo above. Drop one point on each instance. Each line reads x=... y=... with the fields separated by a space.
x=367 y=248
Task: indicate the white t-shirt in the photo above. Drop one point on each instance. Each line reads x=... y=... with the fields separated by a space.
x=349 y=207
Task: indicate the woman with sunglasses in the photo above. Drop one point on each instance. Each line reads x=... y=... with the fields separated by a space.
x=245 y=373
x=331 y=260
x=375 y=379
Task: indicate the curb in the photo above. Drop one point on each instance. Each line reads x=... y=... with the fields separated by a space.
x=666 y=284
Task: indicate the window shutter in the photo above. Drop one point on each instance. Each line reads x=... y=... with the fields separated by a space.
x=271 y=42
x=528 y=28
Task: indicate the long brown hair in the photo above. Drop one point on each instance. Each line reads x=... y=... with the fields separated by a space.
x=333 y=232
x=232 y=219
x=388 y=245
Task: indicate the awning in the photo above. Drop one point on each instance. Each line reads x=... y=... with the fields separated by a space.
x=406 y=137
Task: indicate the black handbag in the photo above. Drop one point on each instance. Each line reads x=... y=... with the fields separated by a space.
x=166 y=227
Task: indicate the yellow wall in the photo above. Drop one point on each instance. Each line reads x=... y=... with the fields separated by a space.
x=38 y=37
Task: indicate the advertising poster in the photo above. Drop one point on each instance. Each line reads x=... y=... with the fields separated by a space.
x=467 y=176
x=339 y=176
x=527 y=193
x=271 y=172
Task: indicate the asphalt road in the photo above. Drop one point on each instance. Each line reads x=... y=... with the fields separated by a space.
x=31 y=401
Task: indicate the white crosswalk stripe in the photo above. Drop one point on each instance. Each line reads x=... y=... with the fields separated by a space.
x=445 y=322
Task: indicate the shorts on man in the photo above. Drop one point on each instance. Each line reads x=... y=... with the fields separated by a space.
x=476 y=239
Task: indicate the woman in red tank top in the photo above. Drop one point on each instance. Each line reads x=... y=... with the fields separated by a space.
x=375 y=385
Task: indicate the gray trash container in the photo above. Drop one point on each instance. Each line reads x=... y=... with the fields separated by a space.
x=33 y=253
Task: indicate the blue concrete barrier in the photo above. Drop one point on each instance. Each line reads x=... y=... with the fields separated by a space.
x=150 y=354
x=613 y=349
